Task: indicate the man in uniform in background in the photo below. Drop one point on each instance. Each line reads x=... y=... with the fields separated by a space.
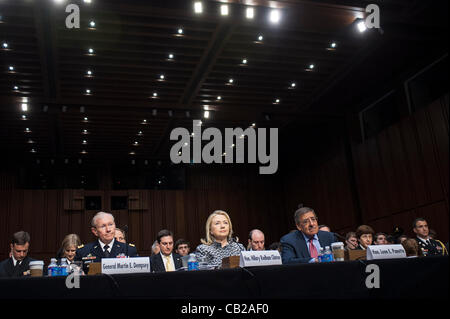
x=18 y=264
x=429 y=247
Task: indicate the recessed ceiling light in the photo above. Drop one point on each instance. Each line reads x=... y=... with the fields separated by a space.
x=84 y=132
x=24 y=117
x=260 y=38
x=244 y=61
x=140 y=133
x=92 y=24
x=33 y=150
x=230 y=81
x=224 y=9
x=361 y=26
x=91 y=51
x=145 y=121
x=5 y=45
x=250 y=13
x=180 y=31
x=311 y=66
x=293 y=85
x=219 y=97
x=161 y=76
x=136 y=143
x=171 y=56
x=277 y=101
x=88 y=91
x=30 y=141
x=27 y=130
x=15 y=88
x=253 y=124
x=84 y=142
x=274 y=16
x=83 y=152
x=333 y=44
x=206 y=114
x=24 y=107
x=89 y=73
x=155 y=94
x=198 y=7
x=85 y=119
x=11 y=68
x=132 y=153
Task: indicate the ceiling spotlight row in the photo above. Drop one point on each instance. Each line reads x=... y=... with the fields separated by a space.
x=274 y=14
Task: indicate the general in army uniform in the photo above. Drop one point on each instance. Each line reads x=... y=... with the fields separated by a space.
x=429 y=247
x=104 y=227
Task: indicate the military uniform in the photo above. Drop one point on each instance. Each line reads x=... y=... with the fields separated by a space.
x=93 y=251
x=431 y=248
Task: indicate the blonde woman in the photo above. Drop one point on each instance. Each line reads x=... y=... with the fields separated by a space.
x=219 y=242
x=69 y=247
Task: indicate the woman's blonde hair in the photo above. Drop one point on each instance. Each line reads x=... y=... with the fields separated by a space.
x=209 y=237
x=70 y=240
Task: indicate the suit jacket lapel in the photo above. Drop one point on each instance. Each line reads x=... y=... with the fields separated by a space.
x=98 y=250
x=303 y=245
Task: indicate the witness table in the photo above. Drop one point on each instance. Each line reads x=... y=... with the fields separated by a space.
x=398 y=278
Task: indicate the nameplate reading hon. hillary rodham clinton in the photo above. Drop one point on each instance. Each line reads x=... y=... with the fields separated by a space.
x=385 y=252
x=259 y=258
x=125 y=265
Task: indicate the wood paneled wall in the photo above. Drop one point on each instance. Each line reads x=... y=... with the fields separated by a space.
x=400 y=174
x=252 y=201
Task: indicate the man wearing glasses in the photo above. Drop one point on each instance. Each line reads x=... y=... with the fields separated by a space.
x=303 y=245
x=104 y=228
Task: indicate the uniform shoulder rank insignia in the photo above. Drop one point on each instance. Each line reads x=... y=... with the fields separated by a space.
x=131 y=245
x=81 y=246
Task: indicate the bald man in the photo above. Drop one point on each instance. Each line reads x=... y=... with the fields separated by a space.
x=256 y=240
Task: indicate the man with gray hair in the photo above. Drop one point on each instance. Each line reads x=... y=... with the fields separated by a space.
x=303 y=245
x=104 y=228
x=256 y=240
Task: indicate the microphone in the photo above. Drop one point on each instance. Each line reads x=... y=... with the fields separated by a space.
x=339 y=236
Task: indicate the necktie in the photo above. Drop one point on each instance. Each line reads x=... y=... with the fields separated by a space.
x=169 y=266
x=17 y=264
x=312 y=249
x=106 y=252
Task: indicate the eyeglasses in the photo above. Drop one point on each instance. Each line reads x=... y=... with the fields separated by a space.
x=310 y=220
x=110 y=225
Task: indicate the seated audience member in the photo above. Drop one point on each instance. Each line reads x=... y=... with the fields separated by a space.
x=380 y=239
x=106 y=246
x=428 y=246
x=411 y=248
x=68 y=248
x=401 y=239
x=256 y=240
x=303 y=246
x=120 y=235
x=18 y=264
x=166 y=260
x=364 y=234
x=182 y=247
x=219 y=242
x=324 y=228
x=275 y=246
x=351 y=241
x=155 y=248
x=390 y=239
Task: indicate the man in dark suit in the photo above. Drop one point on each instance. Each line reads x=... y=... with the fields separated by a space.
x=18 y=264
x=303 y=245
x=104 y=227
x=165 y=260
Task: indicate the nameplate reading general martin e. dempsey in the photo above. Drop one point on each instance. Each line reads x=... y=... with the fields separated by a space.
x=125 y=265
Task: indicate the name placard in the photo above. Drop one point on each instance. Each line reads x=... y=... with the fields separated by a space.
x=125 y=265
x=385 y=252
x=259 y=258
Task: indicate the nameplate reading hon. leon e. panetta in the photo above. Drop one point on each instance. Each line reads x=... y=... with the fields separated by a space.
x=125 y=265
